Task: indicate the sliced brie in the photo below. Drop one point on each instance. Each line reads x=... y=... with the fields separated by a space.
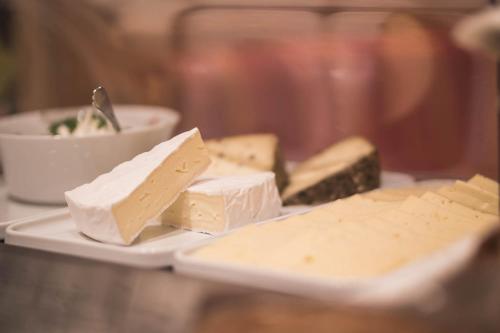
x=224 y=203
x=116 y=206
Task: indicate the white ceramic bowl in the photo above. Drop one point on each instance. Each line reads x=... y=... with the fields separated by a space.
x=39 y=167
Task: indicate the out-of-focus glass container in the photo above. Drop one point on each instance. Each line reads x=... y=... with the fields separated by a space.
x=316 y=74
x=311 y=71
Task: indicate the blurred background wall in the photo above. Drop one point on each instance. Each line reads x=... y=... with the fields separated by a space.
x=312 y=72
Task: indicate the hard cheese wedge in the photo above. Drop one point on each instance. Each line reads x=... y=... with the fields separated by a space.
x=258 y=152
x=116 y=206
x=343 y=169
x=223 y=203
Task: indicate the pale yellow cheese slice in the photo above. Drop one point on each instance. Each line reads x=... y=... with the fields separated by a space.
x=396 y=194
x=465 y=198
x=485 y=184
x=361 y=236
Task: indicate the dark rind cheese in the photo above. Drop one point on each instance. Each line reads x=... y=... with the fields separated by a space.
x=279 y=170
x=359 y=175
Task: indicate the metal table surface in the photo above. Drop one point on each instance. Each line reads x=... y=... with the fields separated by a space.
x=45 y=292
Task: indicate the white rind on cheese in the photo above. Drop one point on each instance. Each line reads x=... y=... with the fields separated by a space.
x=223 y=203
x=116 y=206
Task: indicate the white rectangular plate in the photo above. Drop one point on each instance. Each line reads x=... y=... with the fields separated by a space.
x=410 y=284
x=55 y=232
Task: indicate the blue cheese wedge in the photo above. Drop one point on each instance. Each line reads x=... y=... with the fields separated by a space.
x=216 y=205
x=115 y=207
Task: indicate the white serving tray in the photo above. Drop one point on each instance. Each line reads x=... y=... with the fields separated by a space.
x=54 y=231
x=410 y=284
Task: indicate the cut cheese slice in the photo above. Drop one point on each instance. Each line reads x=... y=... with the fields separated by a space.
x=467 y=199
x=224 y=203
x=455 y=207
x=397 y=194
x=475 y=191
x=485 y=184
x=116 y=206
x=439 y=215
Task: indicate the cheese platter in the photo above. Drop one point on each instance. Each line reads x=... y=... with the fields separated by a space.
x=230 y=209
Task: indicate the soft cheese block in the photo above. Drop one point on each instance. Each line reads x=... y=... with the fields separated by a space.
x=223 y=203
x=116 y=206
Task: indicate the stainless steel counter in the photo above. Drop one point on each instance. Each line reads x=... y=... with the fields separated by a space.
x=45 y=292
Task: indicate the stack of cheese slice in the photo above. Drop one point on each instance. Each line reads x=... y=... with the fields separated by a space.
x=246 y=154
x=361 y=237
x=116 y=206
x=220 y=204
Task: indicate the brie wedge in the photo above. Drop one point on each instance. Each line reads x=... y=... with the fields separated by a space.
x=224 y=203
x=116 y=206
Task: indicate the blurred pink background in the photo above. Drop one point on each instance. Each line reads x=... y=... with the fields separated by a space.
x=394 y=76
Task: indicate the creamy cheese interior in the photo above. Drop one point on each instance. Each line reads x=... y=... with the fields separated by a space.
x=254 y=151
x=223 y=203
x=223 y=167
x=161 y=187
x=357 y=237
x=116 y=206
